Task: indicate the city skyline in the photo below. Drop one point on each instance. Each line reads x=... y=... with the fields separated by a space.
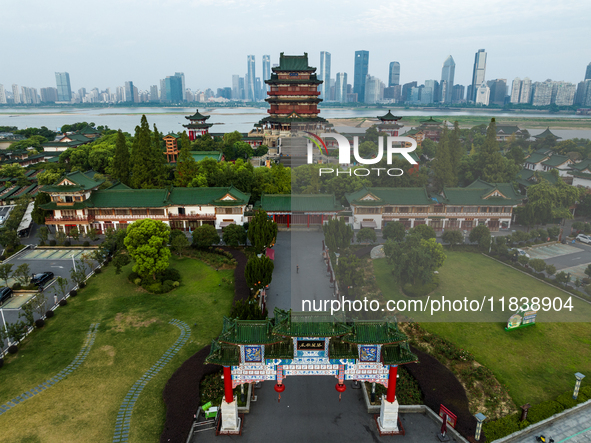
x=514 y=36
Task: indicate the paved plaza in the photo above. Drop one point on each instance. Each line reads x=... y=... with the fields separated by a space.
x=575 y=428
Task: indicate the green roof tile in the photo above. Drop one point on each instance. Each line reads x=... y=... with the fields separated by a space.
x=198 y=116
x=373 y=332
x=536 y=158
x=556 y=160
x=223 y=354
x=293 y=63
x=546 y=134
x=308 y=324
x=245 y=332
x=389 y=117
x=398 y=354
x=390 y=196
x=299 y=203
x=201 y=155
x=479 y=193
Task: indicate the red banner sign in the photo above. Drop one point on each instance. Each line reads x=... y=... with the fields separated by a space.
x=451 y=417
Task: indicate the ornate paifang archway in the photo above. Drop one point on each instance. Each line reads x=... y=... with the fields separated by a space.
x=307 y=343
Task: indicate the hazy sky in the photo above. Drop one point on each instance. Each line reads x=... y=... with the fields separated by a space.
x=104 y=43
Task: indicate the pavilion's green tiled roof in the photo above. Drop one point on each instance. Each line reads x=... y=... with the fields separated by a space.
x=389 y=117
x=547 y=133
x=582 y=175
x=205 y=196
x=398 y=354
x=308 y=324
x=197 y=116
x=340 y=349
x=223 y=354
x=507 y=129
x=201 y=155
x=88 y=130
x=119 y=186
x=556 y=160
x=63 y=188
x=293 y=63
x=276 y=81
x=283 y=349
x=430 y=121
x=299 y=203
x=390 y=196
x=525 y=177
x=372 y=332
x=536 y=158
x=479 y=193
x=84 y=180
x=273 y=119
x=584 y=164
x=248 y=332
x=198 y=125
x=129 y=198
x=173 y=135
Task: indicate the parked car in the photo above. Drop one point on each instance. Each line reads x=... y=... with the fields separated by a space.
x=39 y=279
x=5 y=294
x=520 y=252
x=584 y=238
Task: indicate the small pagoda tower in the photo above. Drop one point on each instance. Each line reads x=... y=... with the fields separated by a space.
x=547 y=135
x=197 y=126
x=388 y=124
x=172 y=150
x=431 y=128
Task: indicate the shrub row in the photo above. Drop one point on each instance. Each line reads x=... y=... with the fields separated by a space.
x=509 y=424
x=165 y=282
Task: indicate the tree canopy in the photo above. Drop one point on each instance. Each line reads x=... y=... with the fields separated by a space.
x=146 y=242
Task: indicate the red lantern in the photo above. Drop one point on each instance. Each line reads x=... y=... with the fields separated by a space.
x=340 y=389
x=279 y=388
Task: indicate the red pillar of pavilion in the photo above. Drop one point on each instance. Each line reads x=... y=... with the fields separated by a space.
x=228 y=394
x=391 y=394
x=288 y=217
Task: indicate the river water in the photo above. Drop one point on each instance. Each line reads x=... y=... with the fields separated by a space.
x=226 y=119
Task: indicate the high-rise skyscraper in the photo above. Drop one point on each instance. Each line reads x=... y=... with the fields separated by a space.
x=394 y=74
x=251 y=85
x=324 y=75
x=482 y=95
x=478 y=73
x=447 y=76
x=64 y=90
x=236 y=88
x=16 y=97
x=2 y=95
x=360 y=74
x=182 y=76
x=498 y=91
x=458 y=94
x=129 y=92
x=525 y=94
x=266 y=73
x=173 y=92
x=341 y=88
x=588 y=72
x=515 y=90
x=154 y=93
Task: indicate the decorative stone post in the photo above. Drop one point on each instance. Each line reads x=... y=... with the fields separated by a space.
x=480 y=419
x=580 y=378
x=388 y=420
x=229 y=409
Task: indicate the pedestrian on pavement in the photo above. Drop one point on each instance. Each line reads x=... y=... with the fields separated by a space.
x=297 y=269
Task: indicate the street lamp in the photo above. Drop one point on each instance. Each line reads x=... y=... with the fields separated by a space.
x=480 y=419
x=580 y=377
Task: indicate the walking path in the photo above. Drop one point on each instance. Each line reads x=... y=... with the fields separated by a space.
x=122 y=424
x=90 y=336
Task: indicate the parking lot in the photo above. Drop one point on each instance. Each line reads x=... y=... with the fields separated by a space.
x=571 y=258
x=59 y=261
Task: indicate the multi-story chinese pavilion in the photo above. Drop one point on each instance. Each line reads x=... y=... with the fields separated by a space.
x=197 y=126
x=306 y=343
x=293 y=96
x=388 y=124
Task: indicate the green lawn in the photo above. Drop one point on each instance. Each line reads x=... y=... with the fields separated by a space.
x=535 y=363
x=133 y=334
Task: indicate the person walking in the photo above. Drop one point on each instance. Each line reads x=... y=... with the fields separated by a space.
x=297 y=269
